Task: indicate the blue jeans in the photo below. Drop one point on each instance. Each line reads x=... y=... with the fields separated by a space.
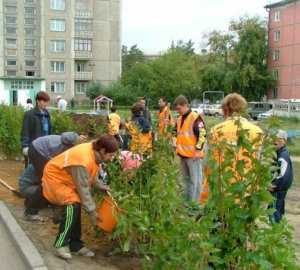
x=192 y=177
x=279 y=205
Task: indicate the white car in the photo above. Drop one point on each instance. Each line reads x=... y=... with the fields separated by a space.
x=199 y=109
x=265 y=115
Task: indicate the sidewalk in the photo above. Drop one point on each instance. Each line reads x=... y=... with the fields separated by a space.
x=296 y=159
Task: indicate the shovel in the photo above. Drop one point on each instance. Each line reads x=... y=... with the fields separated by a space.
x=10 y=188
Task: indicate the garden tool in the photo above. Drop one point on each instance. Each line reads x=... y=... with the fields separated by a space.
x=10 y=188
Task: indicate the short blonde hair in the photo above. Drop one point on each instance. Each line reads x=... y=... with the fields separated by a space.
x=234 y=103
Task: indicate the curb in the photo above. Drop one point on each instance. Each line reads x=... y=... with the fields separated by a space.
x=26 y=249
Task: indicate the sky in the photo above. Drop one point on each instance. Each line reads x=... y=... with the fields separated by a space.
x=153 y=24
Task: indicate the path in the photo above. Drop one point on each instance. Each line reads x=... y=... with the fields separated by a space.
x=8 y=253
x=296 y=159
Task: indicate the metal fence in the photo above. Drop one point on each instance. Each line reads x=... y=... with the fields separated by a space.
x=286 y=108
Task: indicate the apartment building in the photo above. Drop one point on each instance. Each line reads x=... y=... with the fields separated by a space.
x=284 y=48
x=59 y=46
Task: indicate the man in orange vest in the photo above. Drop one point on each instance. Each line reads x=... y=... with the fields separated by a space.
x=191 y=138
x=67 y=180
x=164 y=117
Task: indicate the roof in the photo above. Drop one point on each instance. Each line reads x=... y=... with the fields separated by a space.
x=102 y=99
x=280 y=3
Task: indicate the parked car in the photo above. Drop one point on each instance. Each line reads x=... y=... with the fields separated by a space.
x=265 y=115
x=256 y=108
x=199 y=109
x=213 y=109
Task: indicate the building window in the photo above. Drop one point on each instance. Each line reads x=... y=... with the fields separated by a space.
x=30 y=11
x=275 y=92
x=11 y=42
x=29 y=42
x=277 y=16
x=11 y=72
x=29 y=31
x=11 y=52
x=57 y=66
x=10 y=19
x=57 y=25
x=29 y=52
x=276 y=74
x=19 y=84
x=80 y=67
x=11 y=62
x=11 y=30
x=276 y=55
x=81 y=87
x=82 y=44
x=10 y=9
x=83 y=25
x=58 y=4
x=57 y=45
x=277 y=35
x=29 y=21
x=29 y=73
x=57 y=87
x=29 y=1
x=29 y=63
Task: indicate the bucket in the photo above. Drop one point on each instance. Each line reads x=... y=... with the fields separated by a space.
x=108 y=211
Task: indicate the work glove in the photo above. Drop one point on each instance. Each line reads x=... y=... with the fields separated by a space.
x=25 y=151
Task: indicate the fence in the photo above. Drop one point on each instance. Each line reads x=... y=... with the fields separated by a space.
x=286 y=108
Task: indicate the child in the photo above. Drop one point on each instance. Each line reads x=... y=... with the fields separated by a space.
x=282 y=183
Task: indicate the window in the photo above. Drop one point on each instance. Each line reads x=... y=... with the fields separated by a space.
x=29 y=63
x=12 y=42
x=81 y=87
x=83 y=25
x=11 y=62
x=276 y=55
x=11 y=72
x=57 y=66
x=57 y=45
x=11 y=52
x=57 y=87
x=275 y=92
x=11 y=30
x=29 y=31
x=82 y=44
x=29 y=52
x=29 y=42
x=58 y=4
x=29 y=1
x=58 y=25
x=10 y=9
x=29 y=11
x=277 y=35
x=10 y=19
x=19 y=84
x=29 y=73
x=277 y=16
x=29 y=21
x=80 y=67
x=275 y=74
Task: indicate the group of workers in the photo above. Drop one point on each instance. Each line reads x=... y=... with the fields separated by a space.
x=62 y=168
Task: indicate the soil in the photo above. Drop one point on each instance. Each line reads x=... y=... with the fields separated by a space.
x=43 y=235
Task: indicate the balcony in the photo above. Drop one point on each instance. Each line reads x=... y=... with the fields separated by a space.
x=83 y=55
x=84 y=34
x=84 y=14
x=84 y=76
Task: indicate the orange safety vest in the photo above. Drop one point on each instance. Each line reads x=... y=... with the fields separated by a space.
x=114 y=122
x=59 y=187
x=165 y=120
x=186 y=139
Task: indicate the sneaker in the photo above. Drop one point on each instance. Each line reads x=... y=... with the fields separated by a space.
x=34 y=218
x=64 y=253
x=85 y=252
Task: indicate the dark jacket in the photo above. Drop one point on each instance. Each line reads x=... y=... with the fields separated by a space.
x=142 y=123
x=33 y=126
x=285 y=176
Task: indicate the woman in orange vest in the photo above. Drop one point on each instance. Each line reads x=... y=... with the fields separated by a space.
x=191 y=138
x=66 y=182
x=165 y=119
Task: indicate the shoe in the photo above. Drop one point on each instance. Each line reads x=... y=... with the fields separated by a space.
x=85 y=252
x=34 y=218
x=64 y=253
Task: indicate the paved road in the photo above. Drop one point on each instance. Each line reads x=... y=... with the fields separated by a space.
x=9 y=256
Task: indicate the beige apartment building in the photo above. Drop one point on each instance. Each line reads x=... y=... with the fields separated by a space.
x=59 y=46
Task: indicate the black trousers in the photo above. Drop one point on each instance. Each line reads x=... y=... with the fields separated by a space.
x=70 y=228
x=37 y=160
x=36 y=201
x=279 y=205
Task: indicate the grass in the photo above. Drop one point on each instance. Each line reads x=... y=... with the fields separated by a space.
x=296 y=167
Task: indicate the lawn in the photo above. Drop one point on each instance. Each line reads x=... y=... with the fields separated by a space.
x=296 y=167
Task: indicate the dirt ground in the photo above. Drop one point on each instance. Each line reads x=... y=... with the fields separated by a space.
x=43 y=235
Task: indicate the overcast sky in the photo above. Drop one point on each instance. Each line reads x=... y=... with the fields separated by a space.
x=153 y=24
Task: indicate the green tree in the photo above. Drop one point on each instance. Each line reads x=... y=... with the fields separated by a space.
x=185 y=47
x=131 y=57
x=94 y=90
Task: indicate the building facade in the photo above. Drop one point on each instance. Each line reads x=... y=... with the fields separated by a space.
x=59 y=46
x=284 y=48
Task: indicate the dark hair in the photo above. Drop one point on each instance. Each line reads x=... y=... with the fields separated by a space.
x=42 y=95
x=106 y=142
x=29 y=101
x=181 y=100
x=137 y=108
x=113 y=109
